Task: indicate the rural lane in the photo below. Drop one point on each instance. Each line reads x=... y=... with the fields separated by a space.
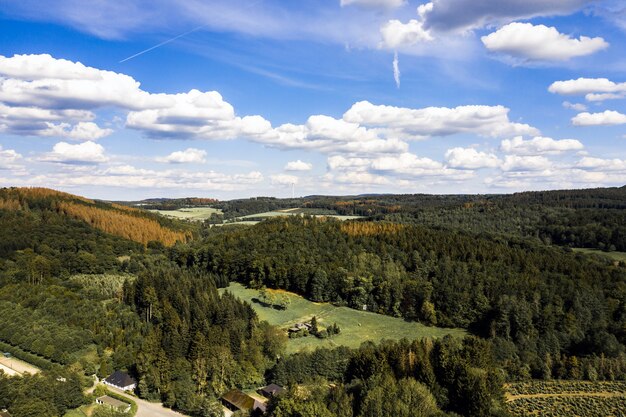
x=148 y=409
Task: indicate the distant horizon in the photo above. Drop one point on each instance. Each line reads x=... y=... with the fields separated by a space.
x=230 y=99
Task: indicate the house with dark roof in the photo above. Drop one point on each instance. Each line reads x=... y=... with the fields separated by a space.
x=121 y=380
x=270 y=390
x=113 y=403
x=236 y=400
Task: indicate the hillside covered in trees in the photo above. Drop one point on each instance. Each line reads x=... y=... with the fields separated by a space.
x=91 y=287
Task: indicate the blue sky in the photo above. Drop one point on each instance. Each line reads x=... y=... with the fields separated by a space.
x=235 y=99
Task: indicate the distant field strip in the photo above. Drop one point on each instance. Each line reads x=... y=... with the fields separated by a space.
x=17 y=367
x=616 y=256
x=567 y=398
x=356 y=326
x=193 y=213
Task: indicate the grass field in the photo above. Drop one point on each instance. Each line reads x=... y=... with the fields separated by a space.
x=294 y=212
x=567 y=398
x=14 y=366
x=192 y=213
x=356 y=326
x=616 y=256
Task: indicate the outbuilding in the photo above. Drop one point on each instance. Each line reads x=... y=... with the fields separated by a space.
x=270 y=390
x=113 y=403
x=121 y=380
x=236 y=400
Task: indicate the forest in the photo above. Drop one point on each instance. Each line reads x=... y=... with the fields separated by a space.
x=91 y=287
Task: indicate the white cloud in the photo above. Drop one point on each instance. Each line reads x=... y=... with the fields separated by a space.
x=525 y=163
x=381 y=4
x=540 y=43
x=574 y=106
x=606 y=118
x=82 y=131
x=298 y=166
x=283 y=179
x=9 y=158
x=469 y=158
x=406 y=123
x=396 y=34
x=590 y=163
x=82 y=153
x=594 y=89
x=539 y=145
x=396 y=69
x=189 y=155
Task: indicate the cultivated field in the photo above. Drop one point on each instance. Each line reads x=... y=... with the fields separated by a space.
x=295 y=212
x=13 y=366
x=197 y=214
x=567 y=399
x=616 y=256
x=356 y=326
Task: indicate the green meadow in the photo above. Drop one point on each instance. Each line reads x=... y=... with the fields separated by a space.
x=616 y=256
x=191 y=213
x=356 y=326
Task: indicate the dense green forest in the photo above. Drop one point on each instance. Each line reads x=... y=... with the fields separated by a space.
x=78 y=297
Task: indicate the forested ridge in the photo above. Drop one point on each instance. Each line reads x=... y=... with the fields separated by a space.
x=81 y=300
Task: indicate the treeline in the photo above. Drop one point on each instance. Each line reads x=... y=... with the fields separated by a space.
x=404 y=378
x=530 y=299
x=200 y=343
x=171 y=203
x=47 y=394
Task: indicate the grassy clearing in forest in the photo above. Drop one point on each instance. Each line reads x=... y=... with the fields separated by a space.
x=356 y=326
x=197 y=214
x=567 y=398
x=616 y=256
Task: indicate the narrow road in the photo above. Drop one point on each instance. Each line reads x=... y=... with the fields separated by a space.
x=148 y=409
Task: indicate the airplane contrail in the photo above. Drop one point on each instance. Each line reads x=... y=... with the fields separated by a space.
x=165 y=42
x=162 y=43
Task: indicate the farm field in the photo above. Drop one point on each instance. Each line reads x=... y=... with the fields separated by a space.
x=616 y=256
x=567 y=398
x=192 y=213
x=356 y=326
x=14 y=366
x=294 y=212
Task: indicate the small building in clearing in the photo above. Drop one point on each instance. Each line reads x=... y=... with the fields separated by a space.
x=113 y=403
x=236 y=400
x=270 y=390
x=121 y=380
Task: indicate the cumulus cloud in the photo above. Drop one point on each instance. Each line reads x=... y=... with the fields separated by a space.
x=407 y=123
x=594 y=89
x=189 y=155
x=379 y=4
x=298 y=166
x=469 y=158
x=590 y=163
x=539 y=145
x=530 y=42
x=9 y=158
x=396 y=34
x=574 y=106
x=605 y=118
x=525 y=163
x=462 y=15
x=283 y=179
x=82 y=131
x=82 y=153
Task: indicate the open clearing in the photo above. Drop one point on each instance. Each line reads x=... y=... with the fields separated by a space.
x=356 y=326
x=616 y=256
x=567 y=398
x=294 y=212
x=197 y=214
x=14 y=366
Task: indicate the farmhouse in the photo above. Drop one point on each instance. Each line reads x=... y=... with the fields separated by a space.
x=300 y=326
x=236 y=400
x=271 y=390
x=121 y=380
x=113 y=403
